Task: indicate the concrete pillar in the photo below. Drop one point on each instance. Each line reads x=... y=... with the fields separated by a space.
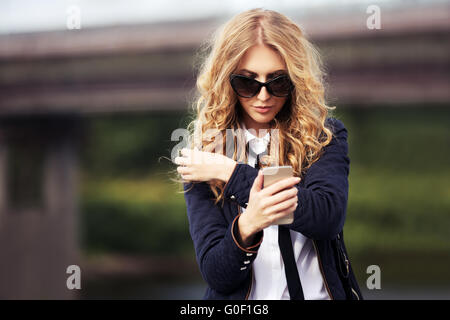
x=37 y=244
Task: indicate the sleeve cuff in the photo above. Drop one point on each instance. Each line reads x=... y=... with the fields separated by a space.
x=234 y=232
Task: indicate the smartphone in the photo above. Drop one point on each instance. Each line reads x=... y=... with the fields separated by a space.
x=272 y=175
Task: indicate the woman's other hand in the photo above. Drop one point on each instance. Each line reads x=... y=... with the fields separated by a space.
x=196 y=165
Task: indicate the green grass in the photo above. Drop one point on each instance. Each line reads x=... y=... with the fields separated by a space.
x=145 y=216
x=395 y=210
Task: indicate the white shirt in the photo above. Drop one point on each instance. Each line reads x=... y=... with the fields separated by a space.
x=269 y=281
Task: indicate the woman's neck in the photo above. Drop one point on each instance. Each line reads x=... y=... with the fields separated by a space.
x=252 y=124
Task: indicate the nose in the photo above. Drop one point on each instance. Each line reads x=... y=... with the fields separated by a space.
x=263 y=94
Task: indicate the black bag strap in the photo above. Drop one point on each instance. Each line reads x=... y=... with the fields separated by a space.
x=343 y=265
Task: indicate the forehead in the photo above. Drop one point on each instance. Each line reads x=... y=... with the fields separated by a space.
x=262 y=60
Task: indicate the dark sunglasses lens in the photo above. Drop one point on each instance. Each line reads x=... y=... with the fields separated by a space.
x=280 y=87
x=245 y=87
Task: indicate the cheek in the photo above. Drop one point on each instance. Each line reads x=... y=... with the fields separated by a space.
x=245 y=103
x=280 y=103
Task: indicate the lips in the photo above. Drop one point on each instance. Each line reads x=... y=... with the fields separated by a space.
x=262 y=109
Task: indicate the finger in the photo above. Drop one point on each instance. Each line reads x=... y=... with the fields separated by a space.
x=194 y=156
x=187 y=177
x=209 y=148
x=258 y=183
x=181 y=161
x=281 y=196
x=280 y=185
x=186 y=152
x=282 y=206
x=282 y=214
x=183 y=170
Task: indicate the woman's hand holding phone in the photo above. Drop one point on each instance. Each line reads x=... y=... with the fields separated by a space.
x=267 y=205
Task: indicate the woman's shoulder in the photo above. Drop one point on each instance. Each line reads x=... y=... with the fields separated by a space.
x=340 y=134
x=336 y=126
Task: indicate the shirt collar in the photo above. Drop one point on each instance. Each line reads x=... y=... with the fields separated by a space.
x=257 y=145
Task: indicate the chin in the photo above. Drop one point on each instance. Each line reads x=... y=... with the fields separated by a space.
x=263 y=118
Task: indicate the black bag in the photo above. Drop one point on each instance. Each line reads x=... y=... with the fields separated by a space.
x=345 y=271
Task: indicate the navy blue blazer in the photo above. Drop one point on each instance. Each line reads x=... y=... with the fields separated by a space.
x=226 y=266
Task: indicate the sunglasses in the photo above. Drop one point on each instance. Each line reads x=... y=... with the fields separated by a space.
x=247 y=87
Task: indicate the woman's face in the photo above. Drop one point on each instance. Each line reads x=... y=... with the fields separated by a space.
x=262 y=63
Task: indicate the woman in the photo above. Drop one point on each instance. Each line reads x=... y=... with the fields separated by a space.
x=281 y=119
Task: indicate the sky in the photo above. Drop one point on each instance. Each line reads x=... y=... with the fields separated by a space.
x=18 y=16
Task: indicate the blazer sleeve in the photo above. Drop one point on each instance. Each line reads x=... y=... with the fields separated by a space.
x=224 y=263
x=322 y=195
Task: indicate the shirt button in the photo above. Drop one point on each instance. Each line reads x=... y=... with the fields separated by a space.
x=232 y=197
x=249 y=254
x=243 y=268
x=247 y=262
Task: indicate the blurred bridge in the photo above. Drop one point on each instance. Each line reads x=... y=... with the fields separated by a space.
x=49 y=81
x=149 y=67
